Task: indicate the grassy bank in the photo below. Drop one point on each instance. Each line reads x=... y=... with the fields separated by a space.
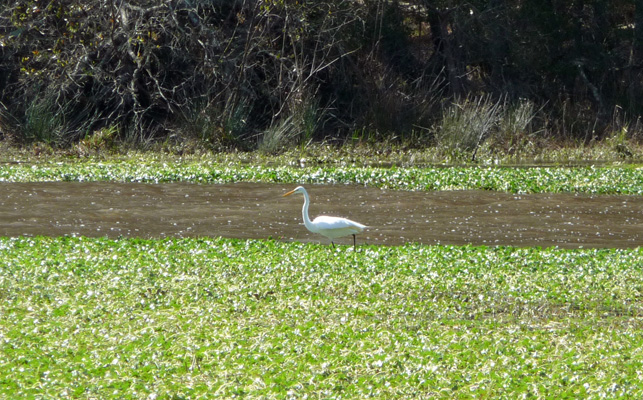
x=360 y=152
x=96 y=318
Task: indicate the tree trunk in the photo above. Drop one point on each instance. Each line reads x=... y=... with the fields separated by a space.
x=443 y=58
x=634 y=75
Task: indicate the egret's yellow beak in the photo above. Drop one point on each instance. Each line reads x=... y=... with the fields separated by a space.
x=289 y=193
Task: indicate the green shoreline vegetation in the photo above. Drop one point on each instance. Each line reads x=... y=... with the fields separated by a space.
x=611 y=178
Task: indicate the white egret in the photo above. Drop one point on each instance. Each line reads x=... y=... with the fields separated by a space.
x=331 y=227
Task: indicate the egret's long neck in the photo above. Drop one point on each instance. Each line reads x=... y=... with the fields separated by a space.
x=304 y=214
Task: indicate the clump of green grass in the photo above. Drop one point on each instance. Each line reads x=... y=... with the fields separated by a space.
x=42 y=123
x=48 y=120
x=467 y=123
x=480 y=127
x=212 y=125
x=515 y=133
x=304 y=118
x=186 y=318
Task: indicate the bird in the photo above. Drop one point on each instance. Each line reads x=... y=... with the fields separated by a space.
x=330 y=227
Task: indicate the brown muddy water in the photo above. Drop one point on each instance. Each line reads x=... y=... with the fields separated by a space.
x=250 y=210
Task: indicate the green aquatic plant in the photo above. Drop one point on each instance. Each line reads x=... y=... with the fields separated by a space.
x=596 y=180
x=211 y=317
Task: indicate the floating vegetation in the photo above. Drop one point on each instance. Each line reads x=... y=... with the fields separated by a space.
x=596 y=180
x=190 y=318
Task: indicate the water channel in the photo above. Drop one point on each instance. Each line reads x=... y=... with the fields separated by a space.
x=251 y=210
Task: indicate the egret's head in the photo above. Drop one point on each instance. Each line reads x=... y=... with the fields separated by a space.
x=298 y=189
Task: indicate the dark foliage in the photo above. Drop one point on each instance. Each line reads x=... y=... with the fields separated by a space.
x=225 y=71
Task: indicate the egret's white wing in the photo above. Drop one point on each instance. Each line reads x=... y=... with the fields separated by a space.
x=334 y=227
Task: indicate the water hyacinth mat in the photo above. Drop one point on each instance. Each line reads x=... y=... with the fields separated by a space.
x=210 y=317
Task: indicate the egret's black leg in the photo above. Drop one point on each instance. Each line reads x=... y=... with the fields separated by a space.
x=354 y=243
x=333 y=243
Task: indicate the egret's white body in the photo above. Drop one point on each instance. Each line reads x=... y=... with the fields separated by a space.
x=330 y=227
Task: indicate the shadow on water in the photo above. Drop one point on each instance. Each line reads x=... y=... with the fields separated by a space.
x=250 y=210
